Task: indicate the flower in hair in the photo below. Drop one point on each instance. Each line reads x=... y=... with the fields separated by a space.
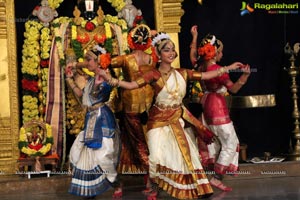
x=139 y=37
x=160 y=37
x=104 y=58
x=207 y=51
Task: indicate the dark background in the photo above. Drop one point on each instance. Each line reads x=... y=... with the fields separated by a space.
x=257 y=39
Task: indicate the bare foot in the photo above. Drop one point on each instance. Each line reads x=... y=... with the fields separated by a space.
x=148 y=189
x=218 y=184
x=118 y=193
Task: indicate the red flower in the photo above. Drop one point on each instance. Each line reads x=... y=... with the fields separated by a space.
x=90 y=26
x=30 y=85
x=104 y=60
x=207 y=51
x=44 y=63
x=100 y=39
x=83 y=38
x=133 y=45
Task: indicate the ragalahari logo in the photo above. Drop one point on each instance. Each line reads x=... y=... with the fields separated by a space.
x=246 y=9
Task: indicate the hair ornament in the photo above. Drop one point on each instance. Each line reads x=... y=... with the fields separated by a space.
x=160 y=37
x=213 y=40
x=209 y=38
x=102 y=56
x=140 y=37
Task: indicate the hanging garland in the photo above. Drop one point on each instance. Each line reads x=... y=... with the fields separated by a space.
x=54 y=3
x=58 y=38
x=117 y=4
x=30 y=64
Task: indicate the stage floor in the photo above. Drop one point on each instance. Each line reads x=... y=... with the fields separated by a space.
x=258 y=181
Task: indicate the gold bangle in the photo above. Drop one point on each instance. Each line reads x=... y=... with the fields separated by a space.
x=113 y=82
x=222 y=70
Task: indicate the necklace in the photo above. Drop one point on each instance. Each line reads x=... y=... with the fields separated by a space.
x=174 y=93
x=165 y=73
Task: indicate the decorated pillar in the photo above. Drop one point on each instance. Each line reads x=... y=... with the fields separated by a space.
x=168 y=15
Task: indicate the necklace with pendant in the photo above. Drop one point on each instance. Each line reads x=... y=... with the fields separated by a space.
x=174 y=93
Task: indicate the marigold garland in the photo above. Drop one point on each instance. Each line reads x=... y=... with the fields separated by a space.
x=117 y=4
x=30 y=65
x=54 y=3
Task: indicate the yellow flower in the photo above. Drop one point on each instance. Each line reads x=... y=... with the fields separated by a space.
x=74 y=32
x=85 y=70
x=108 y=33
x=54 y=3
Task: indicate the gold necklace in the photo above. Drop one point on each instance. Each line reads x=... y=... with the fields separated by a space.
x=174 y=93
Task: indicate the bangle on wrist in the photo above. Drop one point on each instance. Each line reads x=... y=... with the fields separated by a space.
x=193 y=45
x=113 y=82
x=241 y=82
x=222 y=70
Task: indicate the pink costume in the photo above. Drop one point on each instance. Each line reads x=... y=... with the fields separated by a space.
x=224 y=152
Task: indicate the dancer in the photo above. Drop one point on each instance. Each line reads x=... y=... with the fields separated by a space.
x=223 y=152
x=95 y=153
x=174 y=161
x=136 y=102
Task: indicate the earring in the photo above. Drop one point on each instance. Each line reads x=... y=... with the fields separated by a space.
x=159 y=59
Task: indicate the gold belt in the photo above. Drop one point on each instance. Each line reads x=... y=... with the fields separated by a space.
x=166 y=107
x=95 y=107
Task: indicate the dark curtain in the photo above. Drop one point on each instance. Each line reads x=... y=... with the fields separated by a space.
x=258 y=39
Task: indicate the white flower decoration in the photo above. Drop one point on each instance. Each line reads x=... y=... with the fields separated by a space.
x=213 y=40
x=159 y=38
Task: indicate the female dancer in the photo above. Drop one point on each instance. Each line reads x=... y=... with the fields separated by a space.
x=95 y=153
x=174 y=161
x=224 y=152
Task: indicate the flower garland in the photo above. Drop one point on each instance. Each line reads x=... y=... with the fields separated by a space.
x=117 y=4
x=45 y=43
x=58 y=37
x=120 y=22
x=54 y=3
x=30 y=65
x=41 y=149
